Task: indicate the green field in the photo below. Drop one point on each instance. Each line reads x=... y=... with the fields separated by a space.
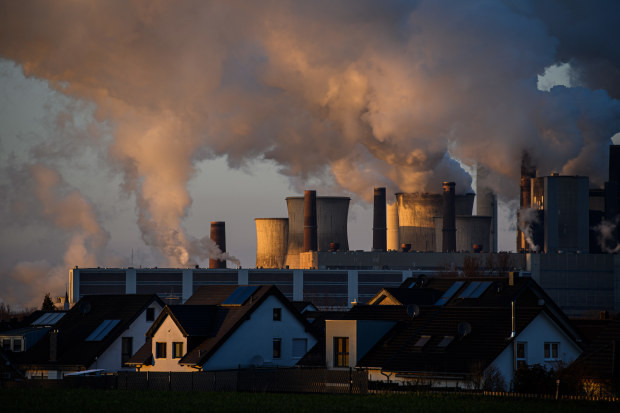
x=111 y=401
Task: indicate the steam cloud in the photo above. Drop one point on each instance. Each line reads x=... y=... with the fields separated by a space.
x=607 y=235
x=528 y=218
x=357 y=93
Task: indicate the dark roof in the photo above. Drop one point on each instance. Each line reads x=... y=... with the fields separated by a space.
x=211 y=294
x=597 y=361
x=301 y=305
x=82 y=320
x=490 y=334
x=143 y=356
x=192 y=320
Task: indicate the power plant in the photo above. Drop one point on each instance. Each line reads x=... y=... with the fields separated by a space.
x=307 y=254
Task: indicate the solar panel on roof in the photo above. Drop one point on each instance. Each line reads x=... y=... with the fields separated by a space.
x=240 y=295
x=104 y=328
x=481 y=289
x=470 y=289
x=48 y=319
x=448 y=294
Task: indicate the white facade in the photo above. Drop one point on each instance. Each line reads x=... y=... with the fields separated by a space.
x=168 y=333
x=253 y=340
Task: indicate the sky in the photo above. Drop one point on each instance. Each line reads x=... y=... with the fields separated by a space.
x=127 y=126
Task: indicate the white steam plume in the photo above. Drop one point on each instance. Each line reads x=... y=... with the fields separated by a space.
x=607 y=235
x=374 y=92
x=528 y=218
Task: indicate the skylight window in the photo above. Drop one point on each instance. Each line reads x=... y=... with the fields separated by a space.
x=422 y=341
x=470 y=289
x=481 y=289
x=445 y=342
x=48 y=319
x=240 y=295
x=448 y=294
x=102 y=331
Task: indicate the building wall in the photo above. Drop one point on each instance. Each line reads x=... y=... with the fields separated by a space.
x=340 y=328
x=168 y=332
x=260 y=330
x=111 y=358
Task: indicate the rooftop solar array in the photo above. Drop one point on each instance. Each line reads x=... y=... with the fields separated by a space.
x=104 y=328
x=240 y=295
x=481 y=289
x=48 y=319
x=470 y=289
x=448 y=294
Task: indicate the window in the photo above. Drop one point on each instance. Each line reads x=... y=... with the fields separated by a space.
x=422 y=341
x=126 y=350
x=551 y=351
x=341 y=351
x=17 y=344
x=177 y=350
x=300 y=347
x=445 y=341
x=160 y=350
x=150 y=314
x=277 y=314
x=277 y=348
x=521 y=358
x=6 y=344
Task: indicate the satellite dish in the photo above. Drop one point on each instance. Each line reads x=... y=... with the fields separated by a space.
x=464 y=328
x=257 y=361
x=413 y=310
x=422 y=281
x=85 y=307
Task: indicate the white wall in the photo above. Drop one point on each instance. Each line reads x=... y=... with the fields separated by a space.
x=340 y=328
x=168 y=332
x=111 y=358
x=542 y=329
x=255 y=337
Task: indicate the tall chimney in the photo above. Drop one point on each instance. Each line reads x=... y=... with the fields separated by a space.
x=218 y=235
x=528 y=171
x=449 y=218
x=310 y=229
x=54 y=345
x=379 y=224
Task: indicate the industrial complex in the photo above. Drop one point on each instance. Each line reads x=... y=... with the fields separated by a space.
x=307 y=253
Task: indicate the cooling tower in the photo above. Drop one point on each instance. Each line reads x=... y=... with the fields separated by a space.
x=449 y=218
x=271 y=242
x=470 y=230
x=218 y=235
x=415 y=217
x=393 y=242
x=332 y=215
x=379 y=224
x=310 y=220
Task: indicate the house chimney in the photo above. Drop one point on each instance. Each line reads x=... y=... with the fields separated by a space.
x=218 y=235
x=310 y=228
x=449 y=218
x=379 y=223
x=54 y=345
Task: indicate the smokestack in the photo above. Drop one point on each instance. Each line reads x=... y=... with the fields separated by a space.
x=218 y=235
x=449 y=218
x=310 y=228
x=528 y=171
x=379 y=223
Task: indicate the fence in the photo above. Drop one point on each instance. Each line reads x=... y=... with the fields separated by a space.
x=251 y=380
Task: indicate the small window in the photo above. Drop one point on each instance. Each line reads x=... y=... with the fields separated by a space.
x=6 y=344
x=341 y=351
x=521 y=354
x=127 y=349
x=160 y=350
x=445 y=342
x=277 y=348
x=277 y=314
x=17 y=344
x=150 y=314
x=300 y=347
x=551 y=351
x=422 y=341
x=177 y=350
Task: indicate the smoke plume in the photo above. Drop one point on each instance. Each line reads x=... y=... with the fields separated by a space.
x=607 y=235
x=354 y=93
x=528 y=219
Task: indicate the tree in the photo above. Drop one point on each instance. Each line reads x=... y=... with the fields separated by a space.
x=48 y=304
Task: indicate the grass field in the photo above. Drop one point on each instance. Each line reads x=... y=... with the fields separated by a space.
x=112 y=401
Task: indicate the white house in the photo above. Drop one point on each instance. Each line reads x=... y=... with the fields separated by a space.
x=227 y=327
